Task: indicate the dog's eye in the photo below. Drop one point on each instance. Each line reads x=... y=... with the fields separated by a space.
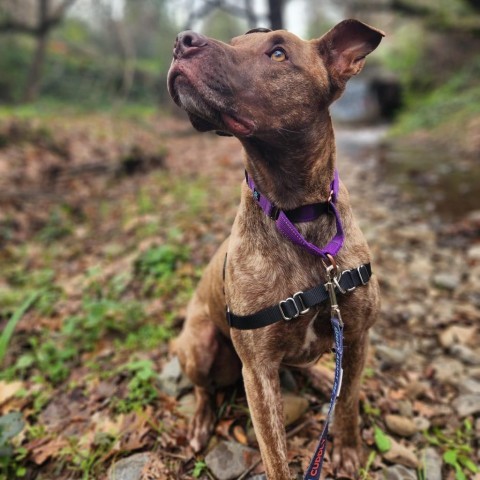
x=278 y=55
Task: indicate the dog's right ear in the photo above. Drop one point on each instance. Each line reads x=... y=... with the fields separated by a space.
x=344 y=48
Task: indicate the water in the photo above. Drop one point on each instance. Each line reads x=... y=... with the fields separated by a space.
x=435 y=180
x=446 y=186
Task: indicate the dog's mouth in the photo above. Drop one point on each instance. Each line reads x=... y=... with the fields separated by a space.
x=205 y=110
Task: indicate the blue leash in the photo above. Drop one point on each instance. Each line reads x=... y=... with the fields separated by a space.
x=315 y=468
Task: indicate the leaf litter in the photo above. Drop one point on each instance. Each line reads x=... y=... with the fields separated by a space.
x=113 y=221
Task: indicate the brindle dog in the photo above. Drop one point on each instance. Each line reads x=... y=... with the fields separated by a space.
x=272 y=91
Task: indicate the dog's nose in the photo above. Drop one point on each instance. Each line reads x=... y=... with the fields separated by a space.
x=188 y=42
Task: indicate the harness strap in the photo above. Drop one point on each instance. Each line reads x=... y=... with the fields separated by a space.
x=300 y=302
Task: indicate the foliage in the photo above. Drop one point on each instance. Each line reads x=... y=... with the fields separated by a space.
x=199 y=468
x=12 y=323
x=383 y=443
x=11 y=425
x=86 y=60
x=457 y=448
x=452 y=103
x=140 y=388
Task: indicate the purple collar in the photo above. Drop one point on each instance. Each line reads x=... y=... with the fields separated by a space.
x=306 y=213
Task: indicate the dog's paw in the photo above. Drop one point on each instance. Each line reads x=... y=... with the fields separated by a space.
x=346 y=461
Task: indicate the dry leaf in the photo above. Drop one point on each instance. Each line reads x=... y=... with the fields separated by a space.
x=9 y=390
x=43 y=449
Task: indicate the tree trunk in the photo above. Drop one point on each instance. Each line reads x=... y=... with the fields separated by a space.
x=32 y=87
x=251 y=19
x=275 y=8
x=34 y=78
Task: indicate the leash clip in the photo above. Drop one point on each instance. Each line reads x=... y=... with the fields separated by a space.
x=330 y=287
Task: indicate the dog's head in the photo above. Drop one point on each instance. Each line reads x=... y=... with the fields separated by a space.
x=266 y=81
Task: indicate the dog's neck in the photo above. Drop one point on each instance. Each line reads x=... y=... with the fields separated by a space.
x=296 y=169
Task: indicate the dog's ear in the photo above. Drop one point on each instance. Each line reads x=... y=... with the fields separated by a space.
x=345 y=46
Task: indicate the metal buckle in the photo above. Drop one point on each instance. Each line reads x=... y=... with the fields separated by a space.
x=364 y=282
x=290 y=299
x=337 y=282
x=304 y=309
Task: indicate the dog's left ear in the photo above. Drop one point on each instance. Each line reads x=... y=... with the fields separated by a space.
x=345 y=46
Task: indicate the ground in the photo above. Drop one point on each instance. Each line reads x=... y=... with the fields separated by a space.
x=105 y=226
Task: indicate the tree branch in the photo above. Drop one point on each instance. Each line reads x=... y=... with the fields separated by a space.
x=44 y=24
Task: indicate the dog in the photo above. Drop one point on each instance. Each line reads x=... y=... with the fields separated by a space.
x=272 y=90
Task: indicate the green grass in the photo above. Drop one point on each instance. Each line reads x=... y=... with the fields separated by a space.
x=7 y=333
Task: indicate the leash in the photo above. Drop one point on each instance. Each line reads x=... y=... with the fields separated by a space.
x=315 y=467
x=301 y=302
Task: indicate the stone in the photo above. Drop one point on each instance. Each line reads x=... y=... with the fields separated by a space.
x=448 y=370
x=399 y=472
x=400 y=454
x=294 y=407
x=473 y=253
x=172 y=380
x=432 y=465
x=405 y=408
x=390 y=357
x=403 y=426
x=228 y=460
x=470 y=385
x=129 y=468
x=422 y=423
x=446 y=281
x=468 y=404
x=465 y=354
x=456 y=334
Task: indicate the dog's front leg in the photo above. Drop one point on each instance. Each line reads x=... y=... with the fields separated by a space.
x=347 y=440
x=262 y=386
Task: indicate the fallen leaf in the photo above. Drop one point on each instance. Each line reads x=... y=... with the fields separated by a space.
x=43 y=449
x=9 y=390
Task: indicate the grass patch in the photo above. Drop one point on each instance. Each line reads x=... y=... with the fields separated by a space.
x=453 y=103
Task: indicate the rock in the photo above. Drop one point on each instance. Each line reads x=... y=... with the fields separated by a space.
x=468 y=404
x=470 y=385
x=448 y=370
x=399 y=472
x=446 y=281
x=405 y=408
x=473 y=253
x=261 y=476
x=400 y=454
x=422 y=423
x=433 y=465
x=420 y=234
x=129 y=468
x=403 y=426
x=390 y=357
x=172 y=380
x=465 y=354
x=228 y=460
x=456 y=334
x=294 y=407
